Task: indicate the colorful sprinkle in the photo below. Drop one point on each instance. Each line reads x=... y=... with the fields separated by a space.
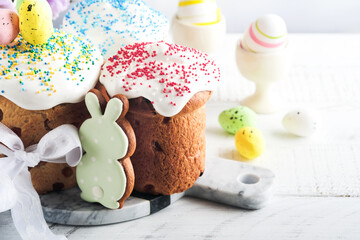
x=36 y=68
x=116 y=24
x=166 y=74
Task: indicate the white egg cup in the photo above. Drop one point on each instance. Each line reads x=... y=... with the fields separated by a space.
x=206 y=38
x=264 y=69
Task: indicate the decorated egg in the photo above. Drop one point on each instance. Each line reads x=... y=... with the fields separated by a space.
x=200 y=12
x=36 y=25
x=237 y=117
x=267 y=34
x=301 y=122
x=7 y=4
x=18 y=4
x=9 y=26
x=250 y=142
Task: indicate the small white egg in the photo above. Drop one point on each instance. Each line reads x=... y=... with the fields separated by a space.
x=301 y=122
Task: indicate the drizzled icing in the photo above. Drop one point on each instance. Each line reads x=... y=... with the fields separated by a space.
x=166 y=74
x=112 y=24
x=39 y=77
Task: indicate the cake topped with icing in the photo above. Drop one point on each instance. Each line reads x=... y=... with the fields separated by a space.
x=39 y=77
x=166 y=74
x=112 y=24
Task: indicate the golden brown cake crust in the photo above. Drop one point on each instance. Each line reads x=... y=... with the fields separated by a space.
x=31 y=126
x=170 y=151
x=144 y=106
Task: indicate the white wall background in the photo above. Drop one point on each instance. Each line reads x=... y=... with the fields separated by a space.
x=305 y=16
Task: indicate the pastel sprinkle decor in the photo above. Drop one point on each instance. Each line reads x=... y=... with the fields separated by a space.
x=112 y=24
x=168 y=75
x=38 y=77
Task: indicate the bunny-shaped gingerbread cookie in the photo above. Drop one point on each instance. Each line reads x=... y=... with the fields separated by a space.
x=105 y=173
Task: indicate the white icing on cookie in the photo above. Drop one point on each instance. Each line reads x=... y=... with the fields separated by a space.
x=166 y=74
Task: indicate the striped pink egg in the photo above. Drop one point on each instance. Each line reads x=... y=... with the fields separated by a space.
x=267 y=34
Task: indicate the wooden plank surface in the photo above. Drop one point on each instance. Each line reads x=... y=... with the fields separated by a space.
x=189 y=218
x=326 y=164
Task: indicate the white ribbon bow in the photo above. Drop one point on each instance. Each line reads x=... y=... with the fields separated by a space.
x=61 y=145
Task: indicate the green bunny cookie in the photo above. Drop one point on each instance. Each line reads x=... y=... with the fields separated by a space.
x=100 y=176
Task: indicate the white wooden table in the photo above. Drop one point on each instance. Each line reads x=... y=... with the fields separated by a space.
x=318 y=179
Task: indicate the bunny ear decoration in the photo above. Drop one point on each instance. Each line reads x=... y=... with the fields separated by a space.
x=113 y=109
x=93 y=105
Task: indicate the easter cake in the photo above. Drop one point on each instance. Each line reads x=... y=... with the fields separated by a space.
x=112 y=24
x=167 y=86
x=44 y=77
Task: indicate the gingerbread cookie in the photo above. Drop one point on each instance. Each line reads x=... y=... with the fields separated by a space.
x=105 y=173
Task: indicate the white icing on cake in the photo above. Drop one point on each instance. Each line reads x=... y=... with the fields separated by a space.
x=40 y=77
x=166 y=74
x=112 y=24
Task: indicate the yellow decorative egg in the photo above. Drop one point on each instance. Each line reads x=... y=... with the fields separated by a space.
x=199 y=12
x=36 y=25
x=250 y=142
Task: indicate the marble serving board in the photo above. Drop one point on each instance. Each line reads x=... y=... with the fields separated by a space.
x=224 y=181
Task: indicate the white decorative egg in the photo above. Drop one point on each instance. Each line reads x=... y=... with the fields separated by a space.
x=301 y=122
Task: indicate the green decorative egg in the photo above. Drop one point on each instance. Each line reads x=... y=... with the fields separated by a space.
x=237 y=117
x=36 y=25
